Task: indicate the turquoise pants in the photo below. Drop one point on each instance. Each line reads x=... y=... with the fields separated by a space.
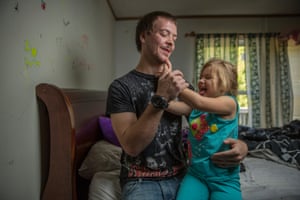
x=193 y=188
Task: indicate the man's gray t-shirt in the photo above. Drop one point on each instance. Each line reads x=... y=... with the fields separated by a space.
x=163 y=157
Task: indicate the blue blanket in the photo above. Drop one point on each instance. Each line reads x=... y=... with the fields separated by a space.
x=280 y=144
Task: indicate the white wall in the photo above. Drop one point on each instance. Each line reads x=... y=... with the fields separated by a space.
x=126 y=56
x=69 y=44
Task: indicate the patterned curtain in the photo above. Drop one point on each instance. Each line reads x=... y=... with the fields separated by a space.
x=269 y=80
x=270 y=99
x=222 y=46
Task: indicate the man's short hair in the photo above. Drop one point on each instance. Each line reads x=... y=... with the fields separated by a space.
x=146 y=23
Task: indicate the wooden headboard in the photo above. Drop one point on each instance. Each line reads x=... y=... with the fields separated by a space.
x=69 y=127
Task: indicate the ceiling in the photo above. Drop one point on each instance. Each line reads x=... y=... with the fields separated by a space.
x=134 y=9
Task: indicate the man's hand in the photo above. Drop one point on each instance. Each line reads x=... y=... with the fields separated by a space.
x=170 y=83
x=231 y=157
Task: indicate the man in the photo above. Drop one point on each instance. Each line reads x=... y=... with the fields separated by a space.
x=153 y=162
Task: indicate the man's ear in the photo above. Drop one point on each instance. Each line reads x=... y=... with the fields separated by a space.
x=143 y=36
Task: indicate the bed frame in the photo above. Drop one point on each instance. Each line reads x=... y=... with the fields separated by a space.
x=68 y=121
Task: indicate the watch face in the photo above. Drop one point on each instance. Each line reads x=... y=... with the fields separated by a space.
x=159 y=102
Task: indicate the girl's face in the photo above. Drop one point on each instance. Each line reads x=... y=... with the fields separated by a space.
x=208 y=83
x=160 y=41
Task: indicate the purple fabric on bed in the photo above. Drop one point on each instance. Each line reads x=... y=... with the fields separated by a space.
x=107 y=130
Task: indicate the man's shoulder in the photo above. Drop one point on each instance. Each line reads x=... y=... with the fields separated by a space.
x=121 y=80
x=126 y=77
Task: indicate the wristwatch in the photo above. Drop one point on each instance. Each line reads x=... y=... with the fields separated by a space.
x=159 y=102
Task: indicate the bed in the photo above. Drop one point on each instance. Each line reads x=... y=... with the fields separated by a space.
x=80 y=154
x=69 y=127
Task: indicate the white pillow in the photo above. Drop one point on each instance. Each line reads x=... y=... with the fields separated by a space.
x=105 y=186
x=103 y=156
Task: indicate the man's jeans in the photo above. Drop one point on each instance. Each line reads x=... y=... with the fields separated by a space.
x=151 y=190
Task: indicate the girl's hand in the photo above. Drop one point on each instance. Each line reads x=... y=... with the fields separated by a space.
x=168 y=65
x=167 y=68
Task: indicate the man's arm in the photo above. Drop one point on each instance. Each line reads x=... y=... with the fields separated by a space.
x=135 y=134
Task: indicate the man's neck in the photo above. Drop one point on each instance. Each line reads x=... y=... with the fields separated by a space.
x=147 y=68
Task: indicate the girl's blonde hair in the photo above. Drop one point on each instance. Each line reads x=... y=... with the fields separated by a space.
x=227 y=74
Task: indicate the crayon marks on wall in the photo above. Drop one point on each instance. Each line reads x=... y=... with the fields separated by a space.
x=73 y=54
x=30 y=59
x=80 y=61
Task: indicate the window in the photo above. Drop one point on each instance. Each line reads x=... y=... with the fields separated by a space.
x=242 y=83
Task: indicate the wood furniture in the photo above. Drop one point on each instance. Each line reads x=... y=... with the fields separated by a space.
x=68 y=128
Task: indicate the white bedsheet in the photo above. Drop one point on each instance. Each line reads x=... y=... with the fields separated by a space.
x=268 y=180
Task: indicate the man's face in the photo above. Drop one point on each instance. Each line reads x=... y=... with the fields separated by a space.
x=159 y=43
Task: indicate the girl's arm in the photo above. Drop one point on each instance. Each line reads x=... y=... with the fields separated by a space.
x=179 y=108
x=223 y=105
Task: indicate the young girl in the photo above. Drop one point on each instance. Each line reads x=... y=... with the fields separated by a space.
x=214 y=118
